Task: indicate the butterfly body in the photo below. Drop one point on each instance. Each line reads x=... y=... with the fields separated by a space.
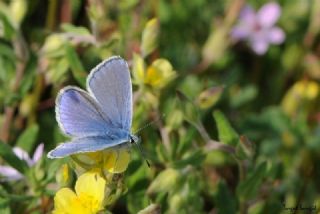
x=100 y=118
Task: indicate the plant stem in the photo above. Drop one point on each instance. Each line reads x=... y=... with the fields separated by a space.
x=216 y=145
x=22 y=56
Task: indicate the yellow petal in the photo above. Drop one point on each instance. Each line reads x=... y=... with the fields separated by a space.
x=159 y=73
x=88 y=160
x=66 y=202
x=90 y=188
x=312 y=91
x=110 y=161
x=96 y=156
x=154 y=77
x=306 y=89
x=300 y=97
x=116 y=161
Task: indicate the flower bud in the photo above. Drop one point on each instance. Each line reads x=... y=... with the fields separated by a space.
x=64 y=177
x=150 y=37
x=165 y=181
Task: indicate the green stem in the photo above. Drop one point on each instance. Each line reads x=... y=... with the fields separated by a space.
x=51 y=17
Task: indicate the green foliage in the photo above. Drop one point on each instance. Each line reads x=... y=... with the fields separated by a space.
x=75 y=65
x=222 y=195
x=227 y=134
x=28 y=138
x=150 y=37
x=7 y=154
x=248 y=188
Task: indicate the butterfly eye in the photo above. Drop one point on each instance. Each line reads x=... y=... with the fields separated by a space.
x=132 y=140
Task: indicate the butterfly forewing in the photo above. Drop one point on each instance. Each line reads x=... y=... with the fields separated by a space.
x=110 y=84
x=78 y=114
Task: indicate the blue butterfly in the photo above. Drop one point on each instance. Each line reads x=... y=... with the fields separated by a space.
x=100 y=118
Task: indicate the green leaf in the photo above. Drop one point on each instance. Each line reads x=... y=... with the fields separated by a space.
x=222 y=195
x=136 y=201
x=76 y=66
x=150 y=37
x=292 y=55
x=4 y=205
x=195 y=159
x=28 y=138
x=53 y=46
x=165 y=181
x=18 y=10
x=189 y=110
x=257 y=208
x=7 y=25
x=216 y=45
x=138 y=69
x=137 y=177
x=227 y=134
x=58 y=70
x=7 y=154
x=28 y=76
x=7 y=52
x=248 y=188
x=53 y=168
x=245 y=149
x=74 y=29
x=11 y=197
x=209 y=97
x=243 y=96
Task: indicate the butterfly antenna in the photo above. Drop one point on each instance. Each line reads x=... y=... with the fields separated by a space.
x=142 y=154
x=148 y=124
x=137 y=144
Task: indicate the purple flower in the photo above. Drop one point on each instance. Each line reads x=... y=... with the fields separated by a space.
x=259 y=28
x=12 y=174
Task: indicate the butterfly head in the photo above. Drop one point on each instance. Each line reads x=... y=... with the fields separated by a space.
x=134 y=139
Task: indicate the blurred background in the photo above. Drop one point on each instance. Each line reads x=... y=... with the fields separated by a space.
x=233 y=86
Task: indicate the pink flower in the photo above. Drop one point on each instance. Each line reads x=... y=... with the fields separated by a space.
x=259 y=28
x=12 y=174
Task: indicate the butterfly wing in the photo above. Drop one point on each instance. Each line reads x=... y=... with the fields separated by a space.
x=84 y=144
x=110 y=83
x=101 y=118
x=78 y=114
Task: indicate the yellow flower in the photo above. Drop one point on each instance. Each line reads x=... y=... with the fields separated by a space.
x=157 y=75
x=109 y=161
x=300 y=97
x=117 y=161
x=87 y=199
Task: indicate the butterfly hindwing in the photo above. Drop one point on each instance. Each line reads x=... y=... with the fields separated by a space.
x=84 y=144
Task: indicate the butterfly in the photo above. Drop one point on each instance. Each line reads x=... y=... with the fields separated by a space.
x=100 y=117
